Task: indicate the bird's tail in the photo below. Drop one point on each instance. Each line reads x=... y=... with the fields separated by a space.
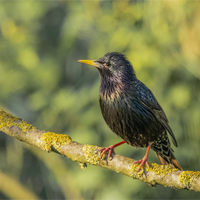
x=164 y=151
x=173 y=161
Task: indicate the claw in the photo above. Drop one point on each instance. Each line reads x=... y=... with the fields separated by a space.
x=105 y=149
x=144 y=159
x=110 y=149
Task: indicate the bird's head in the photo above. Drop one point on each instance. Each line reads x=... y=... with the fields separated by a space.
x=117 y=74
x=113 y=65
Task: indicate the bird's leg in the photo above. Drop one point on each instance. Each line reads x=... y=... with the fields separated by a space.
x=110 y=149
x=144 y=159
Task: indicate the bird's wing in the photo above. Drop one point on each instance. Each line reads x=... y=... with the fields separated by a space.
x=146 y=97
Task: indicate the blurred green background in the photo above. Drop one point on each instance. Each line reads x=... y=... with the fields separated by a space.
x=42 y=82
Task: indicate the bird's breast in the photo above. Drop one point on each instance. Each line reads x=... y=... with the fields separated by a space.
x=126 y=120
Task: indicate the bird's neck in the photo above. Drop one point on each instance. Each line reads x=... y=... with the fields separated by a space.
x=110 y=89
x=113 y=88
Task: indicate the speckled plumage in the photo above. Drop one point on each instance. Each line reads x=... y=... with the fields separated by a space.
x=131 y=110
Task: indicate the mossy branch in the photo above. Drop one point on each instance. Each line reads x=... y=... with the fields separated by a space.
x=88 y=154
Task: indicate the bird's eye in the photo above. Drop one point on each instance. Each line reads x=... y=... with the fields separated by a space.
x=108 y=64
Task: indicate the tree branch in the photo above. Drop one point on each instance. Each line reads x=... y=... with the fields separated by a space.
x=88 y=154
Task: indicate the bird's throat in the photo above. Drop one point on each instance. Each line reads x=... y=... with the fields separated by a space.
x=111 y=90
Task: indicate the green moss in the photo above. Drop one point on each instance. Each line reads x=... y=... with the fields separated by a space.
x=91 y=154
x=50 y=139
x=187 y=177
x=7 y=120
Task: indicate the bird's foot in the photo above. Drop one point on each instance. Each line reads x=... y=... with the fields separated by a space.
x=142 y=161
x=110 y=150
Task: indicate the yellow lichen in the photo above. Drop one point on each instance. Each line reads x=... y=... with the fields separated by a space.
x=134 y=168
x=156 y=168
x=91 y=153
x=50 y=139
x=187 y=177
x=7 y=120
x=162 y=169
x=83 y=166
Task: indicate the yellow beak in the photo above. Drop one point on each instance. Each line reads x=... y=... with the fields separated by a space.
x=89 y=62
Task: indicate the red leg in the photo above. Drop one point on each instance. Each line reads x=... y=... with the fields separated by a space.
x=110 y=149
x=144 y=159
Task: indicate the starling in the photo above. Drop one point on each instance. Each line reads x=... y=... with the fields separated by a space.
x=131 y=110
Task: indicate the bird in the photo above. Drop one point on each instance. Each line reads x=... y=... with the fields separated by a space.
x=131 y=110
